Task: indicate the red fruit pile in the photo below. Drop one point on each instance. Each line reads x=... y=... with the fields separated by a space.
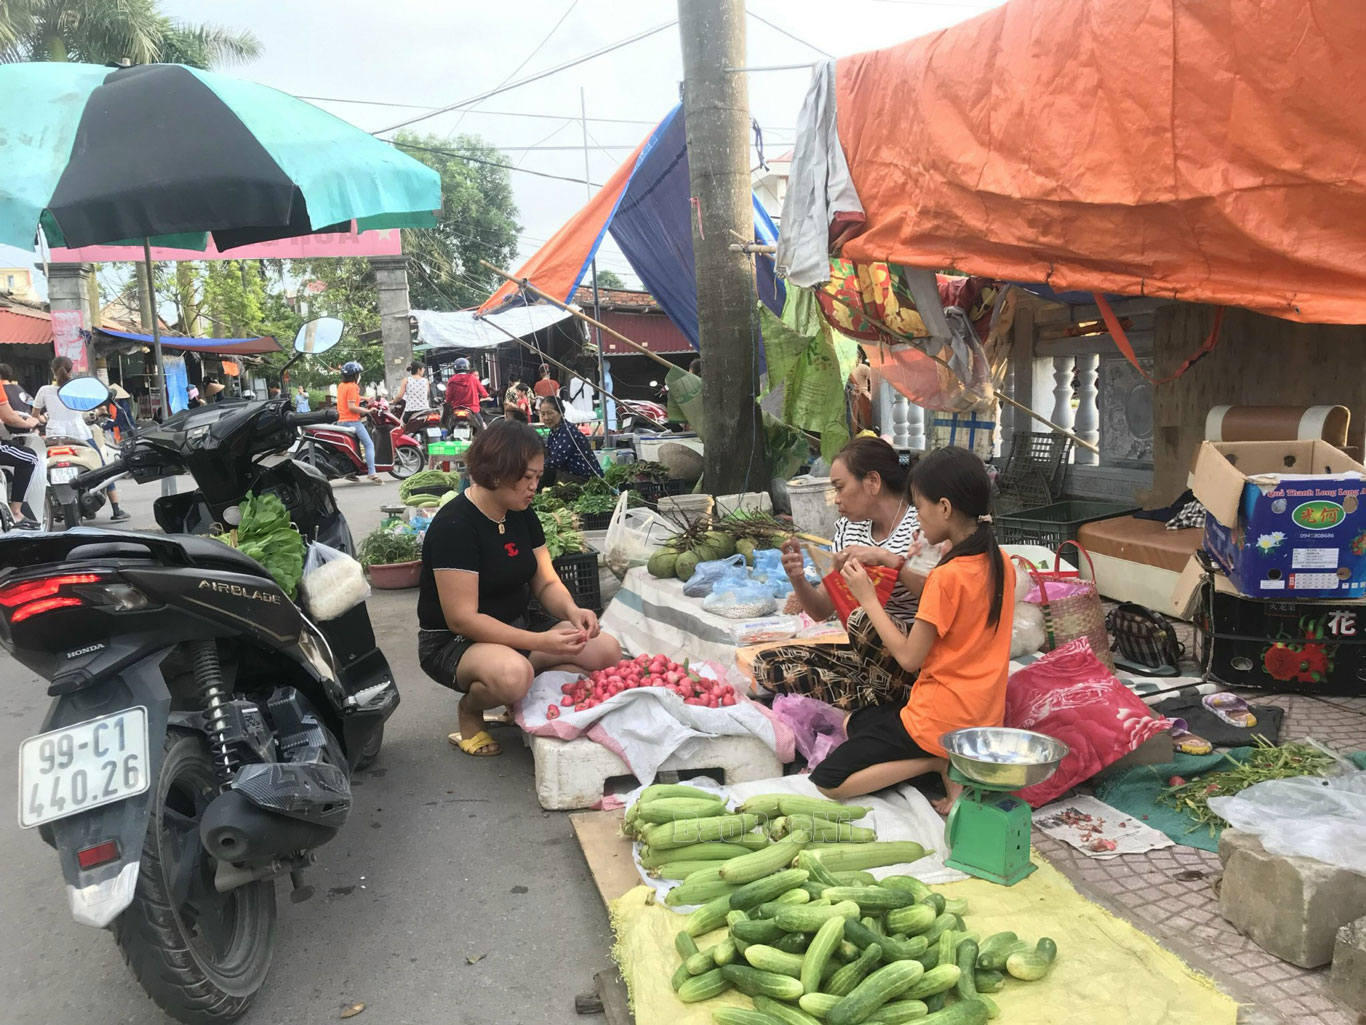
x=646 y=671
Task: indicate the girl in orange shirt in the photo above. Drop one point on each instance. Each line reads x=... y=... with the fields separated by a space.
x=959 y=643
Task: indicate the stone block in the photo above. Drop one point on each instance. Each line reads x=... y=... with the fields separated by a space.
x=1347 y=980
x=1292 y=907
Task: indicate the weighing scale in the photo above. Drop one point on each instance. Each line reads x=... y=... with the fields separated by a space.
x=988 y=829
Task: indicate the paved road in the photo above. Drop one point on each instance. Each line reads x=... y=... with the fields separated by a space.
x=445 y=858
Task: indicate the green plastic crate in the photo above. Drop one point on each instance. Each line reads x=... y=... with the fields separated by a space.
x=448 y=448
x=1051 y=525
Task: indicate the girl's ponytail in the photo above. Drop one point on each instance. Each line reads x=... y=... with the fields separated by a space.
x=958 y=475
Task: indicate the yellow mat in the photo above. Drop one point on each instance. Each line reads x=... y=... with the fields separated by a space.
x=1107 y=971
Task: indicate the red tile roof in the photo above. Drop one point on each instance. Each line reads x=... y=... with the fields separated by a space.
x=614 y=297
x=20 y=325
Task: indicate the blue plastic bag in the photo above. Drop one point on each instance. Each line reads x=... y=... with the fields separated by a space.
x=707 y=574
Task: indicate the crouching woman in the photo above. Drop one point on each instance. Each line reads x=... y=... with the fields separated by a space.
x=483 y=560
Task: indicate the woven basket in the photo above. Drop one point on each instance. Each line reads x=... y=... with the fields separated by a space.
x=1076 y=615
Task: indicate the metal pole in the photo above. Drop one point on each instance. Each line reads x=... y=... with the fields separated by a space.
x=597 y=308
x=156 y=330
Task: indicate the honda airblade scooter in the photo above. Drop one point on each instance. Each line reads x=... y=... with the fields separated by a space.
x=203 y=729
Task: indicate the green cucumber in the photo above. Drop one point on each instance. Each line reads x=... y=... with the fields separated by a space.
x=794 y=942
x=763 y=930
x=937 y=927
x=818 y=1004
x=910 y=884
x=711 y=915
x=996 y=956
x=754 y=982
x=771 y=959
x=725 y=952
x=672 y=809
x=971 y=1012
x=700 y=962
x=936 y=901
x=966 y=959
x=679 y=976
x=987 y=981
x=704 y=987
x=948 y=946
x=911 y=920
x=846 y=979
x=870 y=899
x=795 y=897
x=758 y=864
x=1032 y=965
x=743 y=1016
x=806 y=918
x=785 y=1013
x=892 y=949
x=752 y=894
x=957 y=906
x=898 y=1012
x=855 y=879
x=685 y=945
x=937 y=980
x=889 y=981
x=819 y=873
x=863 y=856
x=818 y=954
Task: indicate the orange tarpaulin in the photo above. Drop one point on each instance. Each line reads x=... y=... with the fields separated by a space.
x=1204 y=150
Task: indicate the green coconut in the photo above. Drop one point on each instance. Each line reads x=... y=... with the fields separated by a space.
x=720 y=541
x=686 y=564
x=662 y=564
x=745 y=547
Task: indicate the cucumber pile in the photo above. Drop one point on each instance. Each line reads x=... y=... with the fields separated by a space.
x=790 y=916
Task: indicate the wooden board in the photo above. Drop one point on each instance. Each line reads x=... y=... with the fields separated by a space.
x=607 y=852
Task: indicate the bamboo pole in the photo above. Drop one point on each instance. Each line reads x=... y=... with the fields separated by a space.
x=944 y=363
x=523 y=283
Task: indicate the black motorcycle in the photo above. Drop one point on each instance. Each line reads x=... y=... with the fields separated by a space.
x=204 y=730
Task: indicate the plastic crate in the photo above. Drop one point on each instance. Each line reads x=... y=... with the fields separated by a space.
x=595 y=521
x=1034 y=453
x=1051 y=525
x=448 y=448
x=580 y=575
x=653 y=491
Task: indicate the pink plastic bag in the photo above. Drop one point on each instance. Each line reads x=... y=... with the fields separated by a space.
x=818 y=728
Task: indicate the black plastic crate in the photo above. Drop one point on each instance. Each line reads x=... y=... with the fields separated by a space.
x=580 y=575
x=653 y=491
x=1033 y=453
x=1051 y=525
x=595 y=521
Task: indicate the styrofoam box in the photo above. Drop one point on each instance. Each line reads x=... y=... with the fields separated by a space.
x=571 y=773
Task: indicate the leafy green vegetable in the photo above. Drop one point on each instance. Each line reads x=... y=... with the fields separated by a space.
x=384 y=547
x=595 y=503
x=266 y=535
x=621 y=474
x=562 y=536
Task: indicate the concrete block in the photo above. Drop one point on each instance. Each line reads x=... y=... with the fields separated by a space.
x=1292 y=907
x=1347 y=980
x=571 y=773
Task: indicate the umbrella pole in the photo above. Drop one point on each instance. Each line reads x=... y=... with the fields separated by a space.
x=156 y=330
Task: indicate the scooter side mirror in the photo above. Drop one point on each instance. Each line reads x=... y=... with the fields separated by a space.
x=318 y=335
x=84 y=394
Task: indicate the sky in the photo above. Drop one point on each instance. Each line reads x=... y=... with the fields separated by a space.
x=416 y=52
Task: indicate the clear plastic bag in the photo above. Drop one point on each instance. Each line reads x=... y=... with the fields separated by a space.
x=1307 y=816
x=1026 y=632
x=633 y=536
x=708 y=574
x=333 y=583
x=741 y=600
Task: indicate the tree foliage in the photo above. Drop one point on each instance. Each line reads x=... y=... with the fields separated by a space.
x=608 y=279
x=478 y=221
x=101 y=31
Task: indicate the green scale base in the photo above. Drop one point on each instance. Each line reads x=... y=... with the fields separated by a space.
x=988 y=833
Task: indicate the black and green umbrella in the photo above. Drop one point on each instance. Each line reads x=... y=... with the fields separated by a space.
x=163 y=154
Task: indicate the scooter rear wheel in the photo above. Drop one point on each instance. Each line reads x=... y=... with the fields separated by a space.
x=201 y=955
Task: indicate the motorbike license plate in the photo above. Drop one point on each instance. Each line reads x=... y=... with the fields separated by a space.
x=63 y=474
x=460 y=432
x=71 y=770
x=434 y=433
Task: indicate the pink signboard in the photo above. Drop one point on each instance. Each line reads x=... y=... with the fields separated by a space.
x=67 y=340
x=385 y=242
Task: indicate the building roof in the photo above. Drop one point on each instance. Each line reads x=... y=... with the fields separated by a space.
x=24 y=325
x=616 y=298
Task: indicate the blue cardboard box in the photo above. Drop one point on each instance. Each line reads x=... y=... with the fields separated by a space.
x=1286 y=519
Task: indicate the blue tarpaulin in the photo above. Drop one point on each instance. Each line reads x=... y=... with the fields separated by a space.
x=212 y=346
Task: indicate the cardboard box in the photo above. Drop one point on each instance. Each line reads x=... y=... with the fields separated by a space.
x=1311 y=647
x=1286 y=518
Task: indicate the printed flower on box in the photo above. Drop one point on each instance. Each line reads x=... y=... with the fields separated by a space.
x=1268 y=543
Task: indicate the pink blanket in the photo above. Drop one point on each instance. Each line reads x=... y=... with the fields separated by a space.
x=1070 y=695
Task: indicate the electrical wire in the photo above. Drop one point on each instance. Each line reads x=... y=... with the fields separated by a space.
x=529 y=79
x=489 y=163
x=545 y=39
x=799 y=39
x=493 y=113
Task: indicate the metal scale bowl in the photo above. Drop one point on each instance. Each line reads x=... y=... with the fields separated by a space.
x=988 y=828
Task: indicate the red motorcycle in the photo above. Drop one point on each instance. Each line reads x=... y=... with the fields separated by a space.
x=337 y=452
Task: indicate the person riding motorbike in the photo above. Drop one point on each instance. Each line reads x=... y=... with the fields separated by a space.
x=68 y=425
x=464 y=390
x=350 y=414
x=414 y=392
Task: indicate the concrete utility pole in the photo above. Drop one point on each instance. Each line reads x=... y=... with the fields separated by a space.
x=391 y=278
x=716 y=103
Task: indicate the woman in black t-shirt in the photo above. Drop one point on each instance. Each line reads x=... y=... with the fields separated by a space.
x=483 y=560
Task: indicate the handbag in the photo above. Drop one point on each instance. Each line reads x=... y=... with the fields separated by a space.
x=1079 y=613
x=1145 y=640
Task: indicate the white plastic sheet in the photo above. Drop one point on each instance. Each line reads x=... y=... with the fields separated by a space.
x=1308 y=816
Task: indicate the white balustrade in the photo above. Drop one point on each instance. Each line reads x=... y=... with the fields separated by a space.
x=1087 y=422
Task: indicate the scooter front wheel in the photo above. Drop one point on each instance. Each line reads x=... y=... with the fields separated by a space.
x=407 y=461
x=201 y=955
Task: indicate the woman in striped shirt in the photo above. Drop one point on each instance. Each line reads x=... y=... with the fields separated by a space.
x=878 y=526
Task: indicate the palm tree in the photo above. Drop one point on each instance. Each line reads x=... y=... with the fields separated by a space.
x=101 y=31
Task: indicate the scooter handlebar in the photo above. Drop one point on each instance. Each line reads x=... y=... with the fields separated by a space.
x=319 y=416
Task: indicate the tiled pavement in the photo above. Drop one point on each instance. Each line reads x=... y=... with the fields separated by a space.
x=1183 y=913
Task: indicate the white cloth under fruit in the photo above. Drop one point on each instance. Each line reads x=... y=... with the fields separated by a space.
x=644 y=727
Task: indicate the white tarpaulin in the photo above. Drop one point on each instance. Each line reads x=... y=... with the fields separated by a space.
x=465 y=330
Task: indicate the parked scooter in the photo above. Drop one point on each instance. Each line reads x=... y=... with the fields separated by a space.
x=336 y=451
x=203 y=730
x=66 y=461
